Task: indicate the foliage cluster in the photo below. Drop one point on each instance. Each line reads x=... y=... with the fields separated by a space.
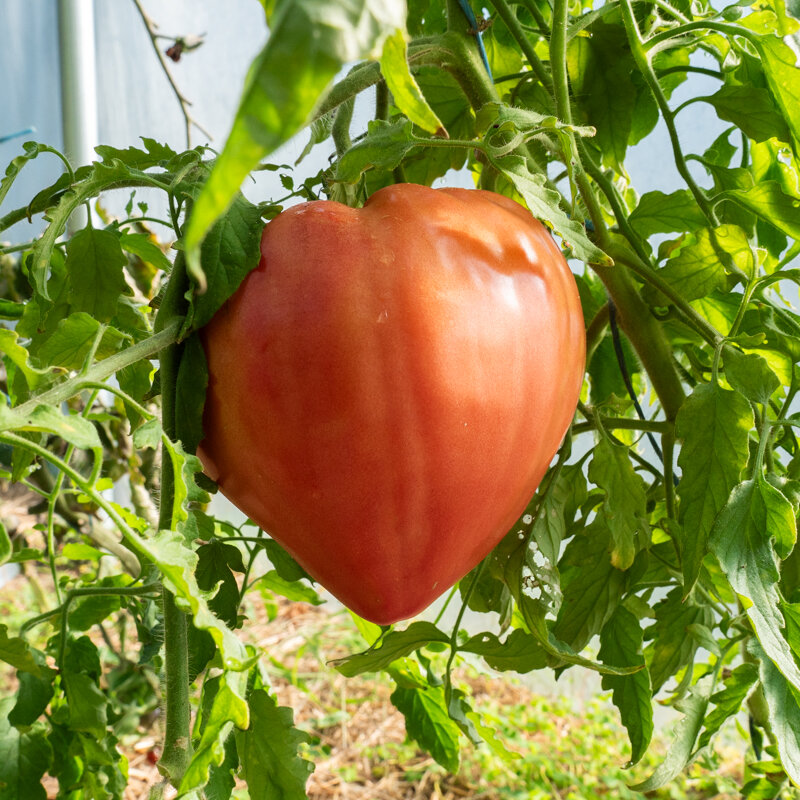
x=660 y=549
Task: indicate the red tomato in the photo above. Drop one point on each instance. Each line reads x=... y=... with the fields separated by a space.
x=389 y=386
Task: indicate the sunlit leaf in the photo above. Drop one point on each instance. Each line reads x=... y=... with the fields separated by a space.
x=309 y=43
x=714 y=426
x=405 y=91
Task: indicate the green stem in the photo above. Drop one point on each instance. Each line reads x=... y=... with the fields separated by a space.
x=763 y=442
x=85 y=591
x=746 y=297
x=623 y=256
x=104 y=369
x=536 y=13
x=612 y=195
x=86 y=486
x=558 y=61
x=668 y=450
x=448 y=686
x=177 y=750
x=381 y=101
x=639 y=52
x=512 y=23
x=647 y=337
x=340 y=132
x=623 y=423
x=596 y=330
x=657 y=40
x=52 y=501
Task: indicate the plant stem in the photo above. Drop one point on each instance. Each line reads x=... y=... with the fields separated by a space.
x=536 y=13
x=512 y=23
x=639 y=52
x=624 y=423
x=177 y=750
x=656 y=41
x=182 y=101
x=104 y=369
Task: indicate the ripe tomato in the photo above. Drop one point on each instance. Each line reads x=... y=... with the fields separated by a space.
x=389 y=386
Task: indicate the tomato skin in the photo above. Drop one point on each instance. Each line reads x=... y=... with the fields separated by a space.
x=388 y=387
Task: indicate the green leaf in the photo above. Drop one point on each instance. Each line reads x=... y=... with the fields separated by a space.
x=32 y=150
x=673 y=648
x=751 y=109
x=177 y=563
x=714 y=425
x=86 y=612
x=19 y=356
x=682 y=750
x=19 y=654
x=383 y=148
x=783 y=76
x=82 y=656
x=286 y=566
x=783 y=702
x=520 y=652
x=750 y=375
x=700 y=268
x=70 y=343
x=226 y=711
x=24 y=758
x=657 y=212
x=742 y=540
x=6 y=548
x=310 y=41
x=292 y=590
x=268 y=752
x=154 y=154
x=543 y=203
x=393 y=645
x=769 y=202
x=728 y=701
x=406 y=93
x=600 y=69
x=429 y=724
x=47 y=419
x=501 y=117
x=624 y=506
x=621 y=646
x=230 y=250
x=216 y=562
x=95 y=277
x=592 y=586
x=190 y=393
x=148 y=435
x=143 y=246
x=550 y=526
x=33 y=696
x=87 y=704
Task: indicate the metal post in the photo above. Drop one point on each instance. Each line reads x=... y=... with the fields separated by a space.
x=78 y=85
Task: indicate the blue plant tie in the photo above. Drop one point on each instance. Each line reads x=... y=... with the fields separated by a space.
x=469 y=14
x=10 y=136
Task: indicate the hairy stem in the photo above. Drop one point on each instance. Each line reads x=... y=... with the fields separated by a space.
x=177 y=750
x=104 y=369
x=512 y=23
x=640 y=56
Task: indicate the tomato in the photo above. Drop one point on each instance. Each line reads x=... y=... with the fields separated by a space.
x=388 y=387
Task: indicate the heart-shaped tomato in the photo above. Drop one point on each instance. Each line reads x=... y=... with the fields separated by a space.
x=389 y=386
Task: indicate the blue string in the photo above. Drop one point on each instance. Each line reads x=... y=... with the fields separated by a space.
x=469 y=14
x=10 y=136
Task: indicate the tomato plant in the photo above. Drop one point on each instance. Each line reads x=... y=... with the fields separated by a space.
x=388 y=387
x=659 y=549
